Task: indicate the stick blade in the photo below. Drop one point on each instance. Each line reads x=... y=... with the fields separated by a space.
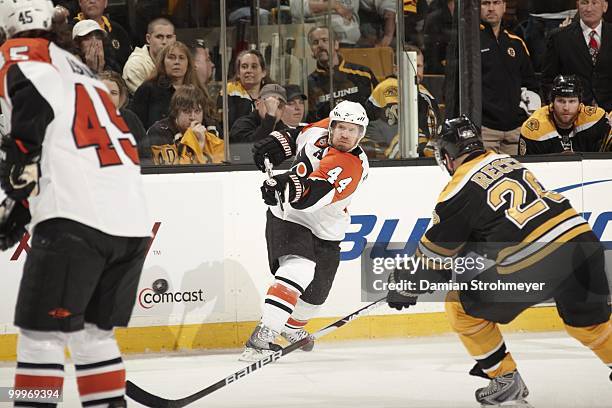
x=145 y=398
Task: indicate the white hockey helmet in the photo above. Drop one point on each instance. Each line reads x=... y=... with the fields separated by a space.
x=350 y=112
x=17 y=16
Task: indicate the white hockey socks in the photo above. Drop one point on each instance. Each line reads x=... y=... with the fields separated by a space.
x=302 y=313
x=40 y=363
x=292 y=277
x=99 y=367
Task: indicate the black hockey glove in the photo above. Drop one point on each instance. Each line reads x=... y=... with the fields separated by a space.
x=404 y=297
x=19 y=171
x=14 y=216
x=288 y=185
x=278 y=146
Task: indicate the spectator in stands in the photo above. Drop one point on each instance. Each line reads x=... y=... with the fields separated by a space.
x=183 y=137
x=378 y=21
x=383 y=110
x=239 y=11
x=506 y=68
x=120 y=46
x=584 y=49
x=89 y=40
x=566 y=125
x=437 y=35
x=250 y=76
x=344 y=17
x=203 y=63
x=295 y=109
x=352 y=82
x=174 y=68
x=119 y=95
x=414 y=17
x=382 y=138
x=545 y=16
x=267 y=118
x=141 y=63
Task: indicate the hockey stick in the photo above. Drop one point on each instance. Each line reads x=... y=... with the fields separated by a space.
x=271 y=182
x=145 y=398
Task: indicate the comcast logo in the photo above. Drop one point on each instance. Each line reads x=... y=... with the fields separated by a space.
x=158 y=293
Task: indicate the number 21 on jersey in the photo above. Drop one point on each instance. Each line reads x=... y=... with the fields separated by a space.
x=88 y=130
x=332 y=176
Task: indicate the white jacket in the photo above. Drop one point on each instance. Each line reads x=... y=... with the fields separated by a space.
x=138 y=68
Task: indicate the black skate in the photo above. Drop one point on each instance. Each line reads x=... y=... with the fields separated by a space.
x=507 y=390
x=293 y=336
x=260 y=344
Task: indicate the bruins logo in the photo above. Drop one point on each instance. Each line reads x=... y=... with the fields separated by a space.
x=435 y=218
x=116 y=44
x=390 y=92
x=511 y=52
x=590 y=110
x=533 y=124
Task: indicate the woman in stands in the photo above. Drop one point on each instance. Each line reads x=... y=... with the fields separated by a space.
x=174 y=68
x=250 y=76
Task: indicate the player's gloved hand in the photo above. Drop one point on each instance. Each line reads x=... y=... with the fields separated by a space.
x=19 y=171
x=14 y=216
x=401 y=298
x=288 y=185
x=278 y=146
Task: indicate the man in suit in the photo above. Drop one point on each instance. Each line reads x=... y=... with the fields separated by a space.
x=584 y=48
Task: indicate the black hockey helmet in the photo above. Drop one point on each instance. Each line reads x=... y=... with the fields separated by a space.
x=459 y=136
x=566 y=86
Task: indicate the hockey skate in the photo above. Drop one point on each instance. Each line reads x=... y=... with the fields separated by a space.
x=293 y=336
x=507 y=390
x=260 y=344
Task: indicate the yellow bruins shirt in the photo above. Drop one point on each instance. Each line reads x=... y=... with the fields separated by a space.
x=590 y=133
x=497 y=208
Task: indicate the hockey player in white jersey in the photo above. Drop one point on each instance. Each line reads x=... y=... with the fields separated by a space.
x=69 y=162
x=303 y=237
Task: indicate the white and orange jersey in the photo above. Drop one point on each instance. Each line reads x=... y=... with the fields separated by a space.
x=330 y=178
x=90 y=170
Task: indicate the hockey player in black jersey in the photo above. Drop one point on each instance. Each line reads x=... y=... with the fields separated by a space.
x=566 y=125
x=495 y=208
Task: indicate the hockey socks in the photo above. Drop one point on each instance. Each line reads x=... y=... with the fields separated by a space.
x=40 y=364
x=99 y=367
x=597 y=337
x=482 y=339
x=293 y=275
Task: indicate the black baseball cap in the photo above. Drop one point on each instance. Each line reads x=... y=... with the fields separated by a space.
x=294 y=91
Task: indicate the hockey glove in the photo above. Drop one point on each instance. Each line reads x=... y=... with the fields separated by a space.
x=14 y=216
x=19 y=171
x=288 y=185
x=278 y=146
x=402 y=295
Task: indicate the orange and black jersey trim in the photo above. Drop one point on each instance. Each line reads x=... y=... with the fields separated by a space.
x=25 y=60
x=495 y=207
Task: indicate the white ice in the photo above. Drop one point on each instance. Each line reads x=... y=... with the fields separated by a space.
x=428 y=372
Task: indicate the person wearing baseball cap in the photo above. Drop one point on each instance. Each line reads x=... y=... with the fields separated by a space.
x=295 y=109
x=265 y=119
x=89 y=38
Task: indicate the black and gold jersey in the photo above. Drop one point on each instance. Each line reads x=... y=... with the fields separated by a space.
x=590 y=133
x=352 y=82
x=497 y=208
